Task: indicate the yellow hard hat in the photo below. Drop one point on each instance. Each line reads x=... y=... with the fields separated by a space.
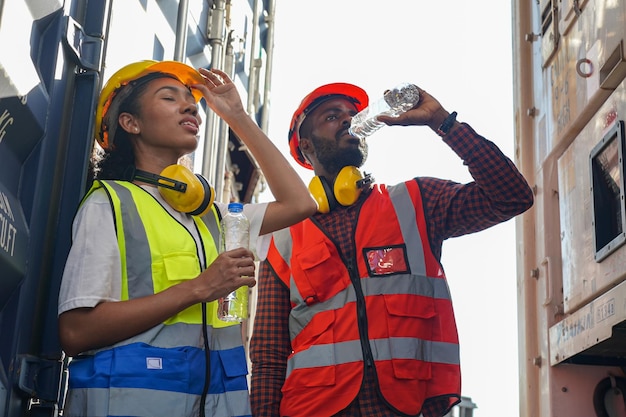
x=183 y=72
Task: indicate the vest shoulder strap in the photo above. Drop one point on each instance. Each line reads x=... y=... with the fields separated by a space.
x=212 y=221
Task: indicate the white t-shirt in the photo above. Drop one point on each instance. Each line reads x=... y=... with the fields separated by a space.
x=93 y=268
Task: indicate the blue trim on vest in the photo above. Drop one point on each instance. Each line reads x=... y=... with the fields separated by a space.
x=178 y=369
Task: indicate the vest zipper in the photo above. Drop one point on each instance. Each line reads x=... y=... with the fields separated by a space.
x=361 y=312
x=361 y=315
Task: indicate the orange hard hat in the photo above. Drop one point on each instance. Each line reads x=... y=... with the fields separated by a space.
x=321 y=94
x=183 y=72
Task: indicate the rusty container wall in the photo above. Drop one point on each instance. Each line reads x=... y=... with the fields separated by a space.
x=570 y=99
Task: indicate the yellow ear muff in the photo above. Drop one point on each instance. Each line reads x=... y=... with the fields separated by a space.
x=196 y=199
x=346 y=187
x=321 y=192
x=345 y=190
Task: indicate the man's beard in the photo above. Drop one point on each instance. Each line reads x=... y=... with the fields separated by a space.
x=333 y=159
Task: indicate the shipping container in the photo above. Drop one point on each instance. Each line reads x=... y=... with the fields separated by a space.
x=570 y=108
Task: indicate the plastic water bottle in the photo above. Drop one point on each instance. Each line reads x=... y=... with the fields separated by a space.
x=393 y=103
x=235 y=234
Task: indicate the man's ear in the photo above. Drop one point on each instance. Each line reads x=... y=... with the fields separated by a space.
x=128 y=122
x=306 y=147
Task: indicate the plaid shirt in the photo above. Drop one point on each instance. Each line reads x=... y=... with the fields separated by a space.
x=498 y=193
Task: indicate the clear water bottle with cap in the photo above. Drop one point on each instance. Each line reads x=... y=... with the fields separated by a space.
x=393 y=103
x=235 y=234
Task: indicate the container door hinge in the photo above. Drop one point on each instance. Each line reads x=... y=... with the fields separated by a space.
x=40 y=379
x=83 y=49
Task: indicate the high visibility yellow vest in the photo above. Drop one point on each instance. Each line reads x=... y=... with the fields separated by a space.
x=161 y=372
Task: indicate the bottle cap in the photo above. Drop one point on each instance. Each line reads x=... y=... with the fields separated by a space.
x=235 y=207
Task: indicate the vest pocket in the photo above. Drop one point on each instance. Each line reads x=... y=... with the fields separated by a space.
x=324 y=274
x=315 y=359
x=139 y=365
x=410 y=321
x=231 y=371
x=309 y=378
x=174 y=268
x=179 y=266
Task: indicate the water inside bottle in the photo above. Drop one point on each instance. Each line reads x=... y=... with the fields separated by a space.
x=234 y=307
x=393 y=103
x=402 y=99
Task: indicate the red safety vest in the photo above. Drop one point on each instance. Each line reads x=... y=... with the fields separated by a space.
x=392 y=309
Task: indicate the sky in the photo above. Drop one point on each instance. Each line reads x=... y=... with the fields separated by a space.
x=461 y=53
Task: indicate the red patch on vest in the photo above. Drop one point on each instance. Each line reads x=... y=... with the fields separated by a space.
x=387 y=260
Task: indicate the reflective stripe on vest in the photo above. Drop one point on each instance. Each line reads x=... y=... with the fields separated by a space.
x=399 y=348
x=408 y=225
x=146 y=404
x=429 y=287
x=411 y=329
x=165 y=365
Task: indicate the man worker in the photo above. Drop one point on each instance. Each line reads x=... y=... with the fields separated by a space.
x=354 y=315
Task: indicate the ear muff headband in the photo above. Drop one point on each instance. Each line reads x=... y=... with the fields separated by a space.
x=183 y=190
x=158 y=180
x=345 y=190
